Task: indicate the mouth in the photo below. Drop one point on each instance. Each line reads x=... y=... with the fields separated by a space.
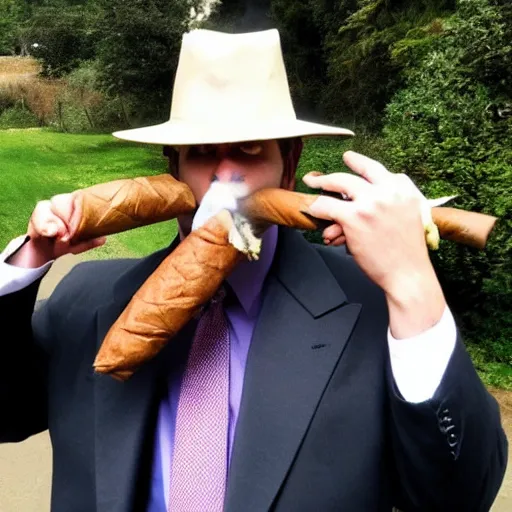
x=226 y=196
x=221 y=195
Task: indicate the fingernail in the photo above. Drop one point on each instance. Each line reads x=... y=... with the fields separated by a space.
x=310 y=209
x=308 y=177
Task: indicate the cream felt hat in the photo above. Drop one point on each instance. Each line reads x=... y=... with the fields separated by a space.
x=229 y=88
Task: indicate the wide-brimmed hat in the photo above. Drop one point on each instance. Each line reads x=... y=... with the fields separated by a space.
x=229 y=88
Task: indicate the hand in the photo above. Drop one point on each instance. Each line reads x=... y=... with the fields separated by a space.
x=383 y=229
x=50 y=229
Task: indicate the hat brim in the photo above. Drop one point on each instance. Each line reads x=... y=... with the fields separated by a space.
x=174 y=133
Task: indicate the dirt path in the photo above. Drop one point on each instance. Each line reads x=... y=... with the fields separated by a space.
x=503 y=502
x=25 y=468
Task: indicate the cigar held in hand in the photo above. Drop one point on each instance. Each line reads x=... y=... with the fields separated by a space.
x=284 y=207
x=120 y=205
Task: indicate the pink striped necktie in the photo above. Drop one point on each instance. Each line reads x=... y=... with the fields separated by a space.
x=199 y=465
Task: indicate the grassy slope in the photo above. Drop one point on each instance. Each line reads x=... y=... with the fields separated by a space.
x=36 y=164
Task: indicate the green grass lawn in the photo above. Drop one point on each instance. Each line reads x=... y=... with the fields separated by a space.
x=36 y=164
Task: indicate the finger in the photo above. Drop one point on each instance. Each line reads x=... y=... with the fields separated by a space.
x=88 y=245
x=314 y=173
x=332 y=232
x=340 y=182
x=62 y=206
x=329 y=208
x=341 y=240
x=371 y=170
x=76 y=213
x=44 y=223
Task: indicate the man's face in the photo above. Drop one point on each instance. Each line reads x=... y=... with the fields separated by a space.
x=258 y=164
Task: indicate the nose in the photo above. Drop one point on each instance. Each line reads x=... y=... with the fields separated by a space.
x=228 y=170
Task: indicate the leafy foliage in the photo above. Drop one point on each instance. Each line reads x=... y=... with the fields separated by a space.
x=138 y=53
x=450 y=129
x=362 y=73
x=61 y=36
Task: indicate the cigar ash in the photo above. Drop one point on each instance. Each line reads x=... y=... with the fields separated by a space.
x=243 y=238
x=225 y=196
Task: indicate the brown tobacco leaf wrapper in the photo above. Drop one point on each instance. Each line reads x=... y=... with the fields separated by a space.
x=120 y=205
x=287 y=208
x=280 y=206
x=462 y=226
x=169 y=298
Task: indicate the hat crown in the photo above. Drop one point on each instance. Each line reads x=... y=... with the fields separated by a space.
x=237 y=78
x=229 y=88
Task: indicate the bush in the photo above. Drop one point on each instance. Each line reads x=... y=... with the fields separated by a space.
x=452 y=134
x=17 y=117
x=6 y=100
x=39 y=96
x=84 y=107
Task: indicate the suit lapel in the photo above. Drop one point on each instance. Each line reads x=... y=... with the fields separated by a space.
x=304 y=325
x=125 y=412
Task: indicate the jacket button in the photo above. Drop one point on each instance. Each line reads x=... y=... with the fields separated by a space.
x=452 y=440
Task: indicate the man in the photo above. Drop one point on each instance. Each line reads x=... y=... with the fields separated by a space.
x=348 y=386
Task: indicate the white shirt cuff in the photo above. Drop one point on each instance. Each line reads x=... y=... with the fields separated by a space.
x=13 y=279
x=419 y=363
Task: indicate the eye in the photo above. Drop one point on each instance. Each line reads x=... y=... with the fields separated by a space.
x=205 y=149
x=251 y=148
x=201 y=150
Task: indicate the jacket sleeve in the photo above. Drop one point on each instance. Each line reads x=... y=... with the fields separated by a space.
x=450 y=451
x=23 y=378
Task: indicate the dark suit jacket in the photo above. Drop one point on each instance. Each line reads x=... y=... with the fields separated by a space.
x=322 y=426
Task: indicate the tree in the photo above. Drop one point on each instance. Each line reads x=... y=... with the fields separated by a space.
x=61 y=36
x=362 y=75
x=138 y=53
x=13 y=14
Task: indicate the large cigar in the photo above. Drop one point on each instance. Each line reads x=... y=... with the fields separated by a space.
x=284 y=207
x=120 y=205
x=169 y=298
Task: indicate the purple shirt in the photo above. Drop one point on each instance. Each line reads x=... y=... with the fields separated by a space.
x=246 y=281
